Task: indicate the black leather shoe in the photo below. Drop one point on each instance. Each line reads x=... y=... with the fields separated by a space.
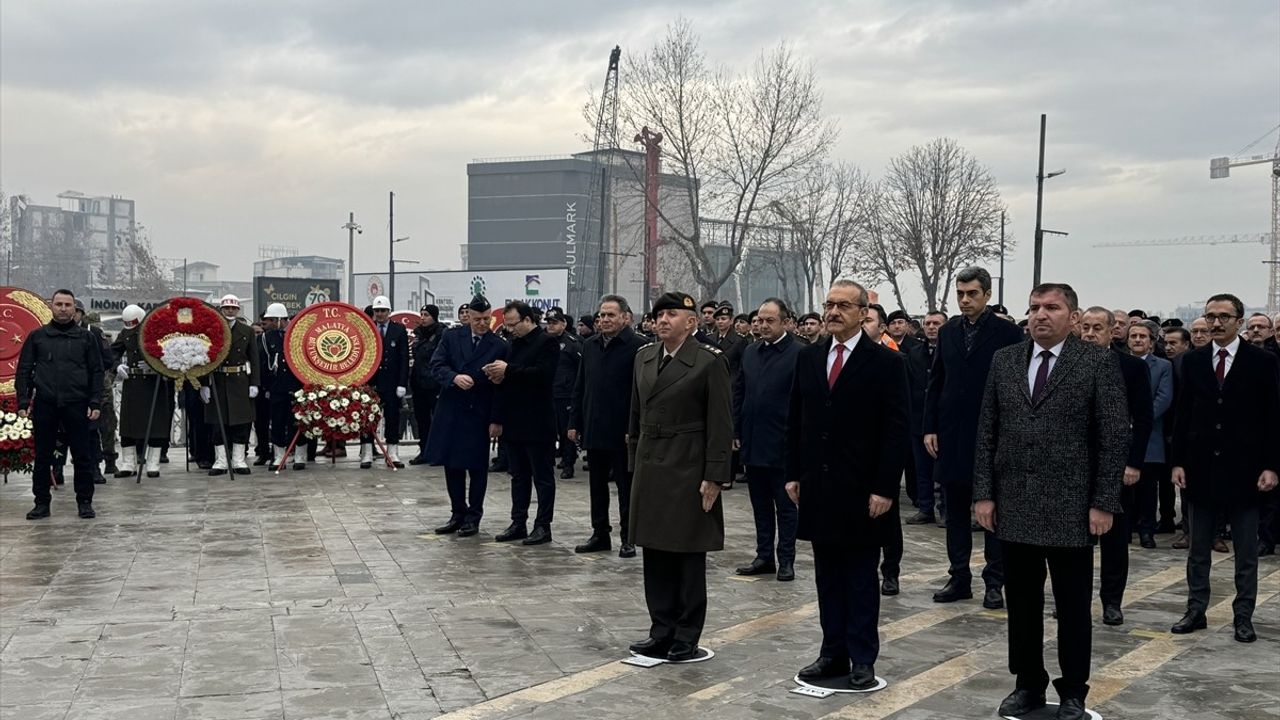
x=215 y=472
x=204 y=464
x=261 y=460
x=1244 y=630
x=1147 y=541
x=994 y=599
x=86 y=510
x=153 y=473
x=627 y=551
x=39 y=512
x=299 y=466
x=566 y=474
x=497 y=467
x=449 y=528
x=1071 y=709
x=540 y=536
x=1021 y=702
x=863 y=677
x=651 y=648
x=514 y=531
x=1165 y=527
x=681 y=651
x=98 y=477
x=366 y=466
x=889 y=586
x=596 y=543
x=1189 y=623
x=468 y=529
x=922 y=519
x=1265 y=549
x=109 y=467
x=418 y=460
x=758 y=567
x=1111 y=615
x=954 y=590
x=786 y=572
x=126 y=473
x=164 y=458
x=243 y=471
x=824 y=668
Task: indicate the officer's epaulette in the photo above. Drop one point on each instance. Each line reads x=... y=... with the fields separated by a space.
x=711 y=349
x=648 y=345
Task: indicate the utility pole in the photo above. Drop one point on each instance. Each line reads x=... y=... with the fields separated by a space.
x=1039 y=239
x=352 y=228
x=391 y=248
x=1000 y=300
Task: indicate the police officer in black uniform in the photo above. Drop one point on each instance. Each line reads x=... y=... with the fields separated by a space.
x=562 y=388
x=280 y=384
x=426 y=338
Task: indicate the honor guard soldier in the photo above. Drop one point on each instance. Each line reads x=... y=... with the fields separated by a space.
x=562 y=387
x=680 y=438
x=236 y=383
x=391 y=381
x=138 y=383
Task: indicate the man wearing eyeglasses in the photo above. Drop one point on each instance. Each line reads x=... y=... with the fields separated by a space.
x=1199 y=333
x=1225 y=456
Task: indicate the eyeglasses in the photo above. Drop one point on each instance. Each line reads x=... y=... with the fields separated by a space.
x=1219 y=317
x=842 y=306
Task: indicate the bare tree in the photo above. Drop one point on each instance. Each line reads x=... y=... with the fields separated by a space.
x=737 y=140
x=937 y=210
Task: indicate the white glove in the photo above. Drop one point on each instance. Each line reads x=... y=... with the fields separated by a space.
x=268 y=394
x=122 y=371
x=253 y=391
x=204 y=394
x=400 y=392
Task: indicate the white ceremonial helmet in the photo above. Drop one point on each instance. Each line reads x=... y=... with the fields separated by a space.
x=276 y=310
x=229 y=300
x=132 y=315
x=381 y=303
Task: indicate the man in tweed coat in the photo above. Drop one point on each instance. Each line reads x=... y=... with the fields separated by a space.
x=1052 y=440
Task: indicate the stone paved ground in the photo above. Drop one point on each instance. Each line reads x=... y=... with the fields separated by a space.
x=323 y=595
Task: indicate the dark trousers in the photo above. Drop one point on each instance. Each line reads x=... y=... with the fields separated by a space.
x=46 y=420
x=283 y=424
x=1146 y=493
x=466 y=504
x=424 y=406
x=1269 y=518
x=960 y=540
x=609 y=466
x=199 y=440
x=1113 y=551
x=848 y=601
x=675 y=590
x=567 y=450
x=910 y=481
x=238 y=434
x=923 y=475
x=1070 y=571
x=775 y=514
x=263 y=422
x=891 y=563
x=1203 y=528
x=136 y=444
x=532 y=467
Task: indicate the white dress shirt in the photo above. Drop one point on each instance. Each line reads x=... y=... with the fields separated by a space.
x=1232 y=349
x=1034 y=367
x=848 y=348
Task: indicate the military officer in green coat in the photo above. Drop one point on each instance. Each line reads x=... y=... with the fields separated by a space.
x=236 y=384
x=138 y=391
x=679 y=441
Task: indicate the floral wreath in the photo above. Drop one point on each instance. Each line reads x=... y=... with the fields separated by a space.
x=185 y=338
x=337 y=412
x=17 y=444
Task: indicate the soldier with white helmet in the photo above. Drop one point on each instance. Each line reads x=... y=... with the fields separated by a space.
x=391 y=381
x=279 y=384
x=138 y=387
x=236 y=384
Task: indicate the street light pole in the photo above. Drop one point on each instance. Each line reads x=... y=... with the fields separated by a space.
x=391 y=248
x=1039 y=237
x=1000 y=300
x=352 y=228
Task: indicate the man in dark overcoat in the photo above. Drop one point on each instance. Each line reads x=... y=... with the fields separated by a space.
x=570 y=357
x=680 y=437
x=601 y=410
x=847 y=445
x=524 y=383
x=1225 y=456
x=235 y=384
x=138 y=390
x=1052 y=439
x=953 y=401
x=468 y=416
x=426 y=338
x=761 y=399
x=391 y=381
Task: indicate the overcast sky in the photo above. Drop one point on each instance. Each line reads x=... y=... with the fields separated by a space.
x=236 y=123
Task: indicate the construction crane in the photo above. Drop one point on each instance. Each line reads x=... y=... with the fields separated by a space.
x=1220 y=167
x=606 y=139
x=1245 y=238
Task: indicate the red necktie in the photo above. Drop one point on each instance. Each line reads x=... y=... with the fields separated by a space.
x=1222 y=366
x=836 y=366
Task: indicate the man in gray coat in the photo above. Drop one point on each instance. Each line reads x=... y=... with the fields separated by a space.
x=1052 y=439
x=679 y=441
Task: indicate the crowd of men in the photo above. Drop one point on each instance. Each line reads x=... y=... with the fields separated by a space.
x=1074 y=426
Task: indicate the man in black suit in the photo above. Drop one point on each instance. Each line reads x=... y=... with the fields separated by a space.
x=761 y=397
x=426 y=338
x=1225 y=455
x=567 y=362
x=1052 y=440
x=847 y=443
x=524 y=383
x=966 y=345
x=391 y=381
x=1095 y=327
x=601 y=410
x=919 y=360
